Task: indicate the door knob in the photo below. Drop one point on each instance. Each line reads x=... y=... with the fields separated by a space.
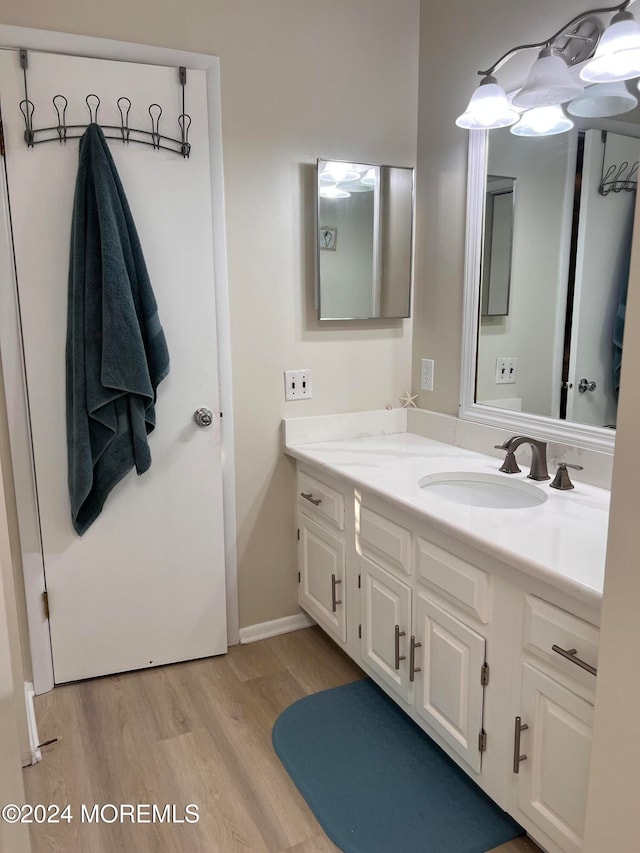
x=585 y=385
x=203 y=417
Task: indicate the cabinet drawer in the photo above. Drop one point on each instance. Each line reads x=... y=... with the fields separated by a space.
x=384 y=541
x=461 y=582
x=319 y=500
x=545 y=625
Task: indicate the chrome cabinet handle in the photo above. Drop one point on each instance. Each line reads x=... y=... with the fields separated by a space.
x=334 y=601
x=517 y=758
x=311 y=499
x=571 y=654
x=203 y=417
x=412 y=658
x=398 y=656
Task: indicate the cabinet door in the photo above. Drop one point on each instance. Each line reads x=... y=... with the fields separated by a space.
x=553 y=779
x=322 y=588
x=385 y=603
x=449 y=692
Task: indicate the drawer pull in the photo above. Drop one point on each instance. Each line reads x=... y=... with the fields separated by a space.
x=571 y=654
x=517 y=757
x=311 y=499
x=398 y=656
x=412 y=658
x=334 y=601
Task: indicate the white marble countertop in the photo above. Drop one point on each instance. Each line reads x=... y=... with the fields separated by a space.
x=562 y=541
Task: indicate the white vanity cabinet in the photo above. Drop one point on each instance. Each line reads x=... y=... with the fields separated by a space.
x=554 y=724
x=321 y=553
x=429 y=657
x=497 y=665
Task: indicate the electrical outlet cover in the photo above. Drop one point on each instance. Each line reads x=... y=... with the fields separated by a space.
x=426 y=374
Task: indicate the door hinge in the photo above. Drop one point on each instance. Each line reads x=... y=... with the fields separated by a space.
x=298 y=577
x=359 y=581
x=484 y=674
x=298 y=534
x=45 y=603
x=482 y=741
x=359 y=632
x=1 y=139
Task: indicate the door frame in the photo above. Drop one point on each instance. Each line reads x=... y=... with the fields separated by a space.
x=11 y=348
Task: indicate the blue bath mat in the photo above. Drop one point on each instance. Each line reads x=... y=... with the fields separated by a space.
x=377 y=783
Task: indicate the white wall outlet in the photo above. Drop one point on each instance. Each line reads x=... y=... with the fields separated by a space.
x=506 y=371
x=426 y=374
x=297 y=384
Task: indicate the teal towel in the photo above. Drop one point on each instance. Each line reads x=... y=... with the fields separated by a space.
x=116 y=354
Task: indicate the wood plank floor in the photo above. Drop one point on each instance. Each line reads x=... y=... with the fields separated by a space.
x=197 y=732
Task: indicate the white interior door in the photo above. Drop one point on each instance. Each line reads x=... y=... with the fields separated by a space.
x=145 y=585
x=604 y=244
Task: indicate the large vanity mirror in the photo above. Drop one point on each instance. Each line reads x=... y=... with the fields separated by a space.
x=549 y=231
x=364 y=240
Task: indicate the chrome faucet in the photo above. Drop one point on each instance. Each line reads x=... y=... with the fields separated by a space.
x=538 y=456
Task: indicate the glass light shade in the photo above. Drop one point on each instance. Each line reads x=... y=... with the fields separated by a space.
x=488 y=108
x=542 y=121
x=618 y=54
x=549 y=83
x=369 y=179
x=603 y=99
x=335 y=172
x=333 y=191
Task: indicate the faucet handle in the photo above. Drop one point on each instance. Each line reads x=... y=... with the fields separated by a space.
x=509 y=466
x=562 y=481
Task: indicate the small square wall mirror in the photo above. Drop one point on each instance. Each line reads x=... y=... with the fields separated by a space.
x=364 y=242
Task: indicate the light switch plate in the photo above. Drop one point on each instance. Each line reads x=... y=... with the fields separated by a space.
x=297 y=384
x=506 y=371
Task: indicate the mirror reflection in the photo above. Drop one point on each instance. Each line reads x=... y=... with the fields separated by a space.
x=364 y=240
x=553 y=345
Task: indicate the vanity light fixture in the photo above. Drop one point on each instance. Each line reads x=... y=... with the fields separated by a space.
x=333 y=191
x=542 y=121
x=550 y=81
x=336 y=171
x=618 y=54
x=370 y=178
x=488 y=107
x=603 y=99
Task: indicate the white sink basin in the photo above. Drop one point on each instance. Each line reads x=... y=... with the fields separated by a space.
x=493 y=491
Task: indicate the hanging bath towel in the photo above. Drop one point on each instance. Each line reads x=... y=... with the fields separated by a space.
x=116 y=352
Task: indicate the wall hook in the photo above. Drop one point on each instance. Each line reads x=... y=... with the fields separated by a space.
x=62 y=131
x=93 y=106
x=124 y=106
x=60 y=103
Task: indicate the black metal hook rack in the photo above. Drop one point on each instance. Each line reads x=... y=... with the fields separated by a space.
x=618 y=177
x=62 y=131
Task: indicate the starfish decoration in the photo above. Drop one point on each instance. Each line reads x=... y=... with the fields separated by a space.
x=408 y=400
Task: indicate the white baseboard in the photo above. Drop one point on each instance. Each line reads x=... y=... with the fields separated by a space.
x=34 y=740
x=262 y=630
